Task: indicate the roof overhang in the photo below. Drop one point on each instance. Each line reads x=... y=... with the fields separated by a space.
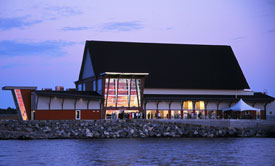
x=124 y=74
x=68 y=94
x=19 y=87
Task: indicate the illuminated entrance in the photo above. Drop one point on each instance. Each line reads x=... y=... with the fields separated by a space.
x=123 y=114
x=122 y=92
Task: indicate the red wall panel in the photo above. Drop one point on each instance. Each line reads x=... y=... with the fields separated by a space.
x=90 y=114
x=54 y=115
x=65 y=114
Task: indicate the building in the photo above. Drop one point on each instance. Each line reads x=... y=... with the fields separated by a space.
x=148 y=80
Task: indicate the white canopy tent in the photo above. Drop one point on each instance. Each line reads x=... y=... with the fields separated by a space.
x=241 y=106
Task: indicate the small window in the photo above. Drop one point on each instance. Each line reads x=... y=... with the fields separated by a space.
x=99 y=86
x=79 y=87
x=83 y=86
x=94 y=85
x=77 y=115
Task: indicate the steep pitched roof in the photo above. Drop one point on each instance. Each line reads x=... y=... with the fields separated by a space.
x=182 y=66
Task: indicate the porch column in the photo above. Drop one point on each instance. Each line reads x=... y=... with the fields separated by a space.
x=194 y=109
x=169 y=111
x=181 y=109
x=205 y=110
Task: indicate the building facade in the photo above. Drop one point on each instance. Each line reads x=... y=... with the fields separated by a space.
x=148 y=80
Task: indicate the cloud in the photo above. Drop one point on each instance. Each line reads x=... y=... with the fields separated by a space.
x=9 y=66
x=238 y=38
x=75 y=28
x=122 y=26
x=271 y=31
x=16 y=22
x=47 y=48
x=55 y=11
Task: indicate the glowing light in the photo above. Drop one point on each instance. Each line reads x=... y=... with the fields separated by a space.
x=21 y=105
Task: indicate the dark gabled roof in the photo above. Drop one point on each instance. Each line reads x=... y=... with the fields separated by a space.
x=69 y=94
x=181 y=66
x=257 y=97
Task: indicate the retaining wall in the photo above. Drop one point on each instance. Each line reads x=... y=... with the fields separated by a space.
x=83 y=129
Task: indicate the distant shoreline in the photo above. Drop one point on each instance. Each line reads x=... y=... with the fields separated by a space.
x=104 y=129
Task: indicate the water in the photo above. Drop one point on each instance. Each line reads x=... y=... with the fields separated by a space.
x=163 y=151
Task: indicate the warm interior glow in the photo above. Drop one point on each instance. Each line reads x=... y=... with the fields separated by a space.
x=200 y=105
x=175 y=114
x=188 y=105
x=122 y=92
x=152 y=114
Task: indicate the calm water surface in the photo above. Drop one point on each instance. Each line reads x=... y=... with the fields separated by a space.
x=182 y=151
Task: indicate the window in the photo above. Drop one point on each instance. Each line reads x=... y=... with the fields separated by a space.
x=122 y=92
x=79 y=87
x=188 y=105
x=110 y=94
x=94 y=85
x=83 y=86
x=134 y=94
x=77 y=115
x=200 y=105
x=99 y=86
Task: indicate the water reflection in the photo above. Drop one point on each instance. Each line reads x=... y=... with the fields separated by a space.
x=182 y=151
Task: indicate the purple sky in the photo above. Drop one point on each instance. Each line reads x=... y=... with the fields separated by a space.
x=42 y=42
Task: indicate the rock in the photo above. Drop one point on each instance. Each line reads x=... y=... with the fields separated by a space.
x=28 y=129
x=132 y=131
x=166 y=134
x=118 y=129
x=106 y=133
x=88 y=133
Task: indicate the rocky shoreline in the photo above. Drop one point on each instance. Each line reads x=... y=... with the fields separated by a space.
x=94 y=129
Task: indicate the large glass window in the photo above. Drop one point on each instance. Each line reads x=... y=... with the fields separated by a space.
x=110 y=92
x=122 y=92
x=133 y=95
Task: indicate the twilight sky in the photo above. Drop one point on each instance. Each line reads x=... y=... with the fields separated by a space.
x=42 y=42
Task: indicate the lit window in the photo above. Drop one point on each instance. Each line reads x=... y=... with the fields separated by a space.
x=122 y=92
x=188 y=105
x=200 y=105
